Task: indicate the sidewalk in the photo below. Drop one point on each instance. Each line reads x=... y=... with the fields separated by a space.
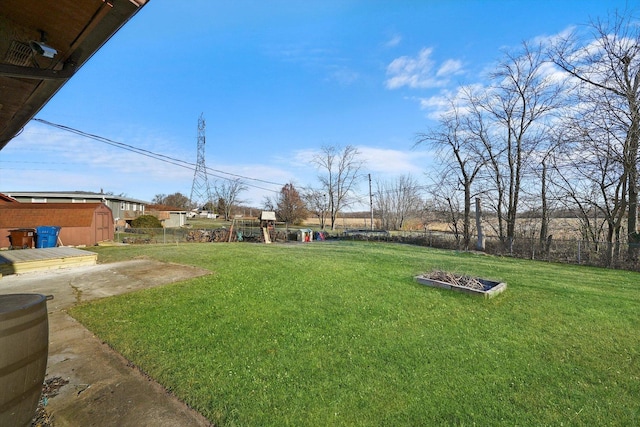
x=104 y=389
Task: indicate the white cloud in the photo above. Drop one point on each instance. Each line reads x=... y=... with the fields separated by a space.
x=304 y=157
x=450 y=67
x=547 y=41
x=393 y=41
x=420 y=72
x=55 y=160
x=435 y=105
x=392 y=162
x=441 y=103
x=385 y=161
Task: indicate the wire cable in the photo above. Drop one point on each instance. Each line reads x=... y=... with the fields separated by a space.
x=158 y=156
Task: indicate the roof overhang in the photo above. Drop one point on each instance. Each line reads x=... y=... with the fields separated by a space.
x=43 y=43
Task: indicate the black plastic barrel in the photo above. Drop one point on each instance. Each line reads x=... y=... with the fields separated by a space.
x=24 y=347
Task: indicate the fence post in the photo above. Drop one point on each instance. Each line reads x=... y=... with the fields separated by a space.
x=579 y=251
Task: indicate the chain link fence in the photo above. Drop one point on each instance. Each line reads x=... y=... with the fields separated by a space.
x=600 y=254
x=581 y=252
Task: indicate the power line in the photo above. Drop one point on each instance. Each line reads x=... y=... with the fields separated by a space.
x=161 y=157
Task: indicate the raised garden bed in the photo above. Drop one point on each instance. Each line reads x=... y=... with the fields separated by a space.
x=462 y=283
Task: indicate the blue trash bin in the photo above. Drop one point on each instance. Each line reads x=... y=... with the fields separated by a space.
x=47 y=236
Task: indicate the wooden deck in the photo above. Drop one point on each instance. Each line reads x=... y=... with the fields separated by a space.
x=25 y=260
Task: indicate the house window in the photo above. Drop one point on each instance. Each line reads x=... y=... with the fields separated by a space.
x=135 y=207
x=38 y=200
x=78 y=200
x=121 y=206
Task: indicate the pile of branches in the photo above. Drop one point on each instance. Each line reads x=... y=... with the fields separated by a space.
x=203 y=236
x=199 y=236
x=136 y=240
x=455 y=279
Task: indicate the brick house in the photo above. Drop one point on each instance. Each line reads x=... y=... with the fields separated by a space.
x=82 y=224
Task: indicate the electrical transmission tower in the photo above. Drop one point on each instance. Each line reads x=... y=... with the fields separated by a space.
x=200 y=191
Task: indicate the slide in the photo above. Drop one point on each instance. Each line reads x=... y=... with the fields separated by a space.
x=265 y=233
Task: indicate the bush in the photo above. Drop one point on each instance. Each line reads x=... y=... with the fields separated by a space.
x=146 y=221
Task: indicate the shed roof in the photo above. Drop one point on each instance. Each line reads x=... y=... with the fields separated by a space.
x=28 y=215
x=72 y=195
x=164 y=208
x=268 y=216
x=4 y=199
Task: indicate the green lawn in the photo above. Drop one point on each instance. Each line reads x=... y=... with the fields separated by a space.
x=338 y=333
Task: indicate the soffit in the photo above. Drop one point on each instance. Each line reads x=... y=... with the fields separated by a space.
x=75 y=29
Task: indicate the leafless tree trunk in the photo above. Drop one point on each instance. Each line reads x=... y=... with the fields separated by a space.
x=459 y=152
x=544 y=220
x=454 y=211
x=609 y=63
x=548 y=155
x=509 y=120
x=340 y=171
x=592 y=173
x=480 y=246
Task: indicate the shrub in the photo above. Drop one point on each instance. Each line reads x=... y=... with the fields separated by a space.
x=146 y=221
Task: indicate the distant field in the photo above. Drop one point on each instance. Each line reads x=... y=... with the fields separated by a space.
x=338 y=333
x=560 y=228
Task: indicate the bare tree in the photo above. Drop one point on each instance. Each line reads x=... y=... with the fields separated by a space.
x=228 y=192
x=459 y=151
x=158 y=199
x=177 y=200
x=609 y=64
x=317 y=203
x=542 y=189
x=446 y=205
x=396 y=200
x=592 y=162
x=339 y=173
x=269 y=203
x=544 y=237
x=509 y=121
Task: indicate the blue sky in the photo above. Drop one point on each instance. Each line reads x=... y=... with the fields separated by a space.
x=275 y=81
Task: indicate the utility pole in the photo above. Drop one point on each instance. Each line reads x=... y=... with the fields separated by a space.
x=371 y=202
x=200 y=190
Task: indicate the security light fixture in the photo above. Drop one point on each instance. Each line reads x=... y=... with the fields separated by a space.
x=43 y=49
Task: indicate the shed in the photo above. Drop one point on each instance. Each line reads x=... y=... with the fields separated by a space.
x=82 y=224
x=169 y=216
x=123 y=209
x=305 y=235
